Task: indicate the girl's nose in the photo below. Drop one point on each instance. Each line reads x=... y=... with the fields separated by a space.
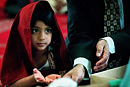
x=42 y=36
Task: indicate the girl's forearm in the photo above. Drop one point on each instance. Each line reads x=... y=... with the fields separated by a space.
x=25 y=82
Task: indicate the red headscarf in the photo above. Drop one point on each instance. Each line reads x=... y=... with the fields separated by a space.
x=18 y=50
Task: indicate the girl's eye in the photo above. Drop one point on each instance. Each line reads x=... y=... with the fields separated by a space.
x=48 y=30
x=34 y=30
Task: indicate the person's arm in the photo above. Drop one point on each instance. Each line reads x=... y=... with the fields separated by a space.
x=77 y=73
x=122 y=42
x=25 y=82
x=103 y=54
x=81 y=43
x=79 y=27
x=31 y=80
x=86 y=63
x=119 y=42
x=113 y=44
x=105 y=46
x=122 y=38
x=110 y=43
x=81 y=70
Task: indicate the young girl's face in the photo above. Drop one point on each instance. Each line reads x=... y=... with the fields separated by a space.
x=41 y=36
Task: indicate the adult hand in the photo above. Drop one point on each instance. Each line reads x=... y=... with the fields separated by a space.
x=103 y=54
x=38 y=76
x=50 y=78
x=77 y=73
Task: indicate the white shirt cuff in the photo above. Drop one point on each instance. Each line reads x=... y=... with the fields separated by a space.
x=86 y=63
x=110 y=44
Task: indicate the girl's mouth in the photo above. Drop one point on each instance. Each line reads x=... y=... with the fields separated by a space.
x=41 y=44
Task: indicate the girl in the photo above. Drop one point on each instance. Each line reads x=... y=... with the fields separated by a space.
x=36 y=53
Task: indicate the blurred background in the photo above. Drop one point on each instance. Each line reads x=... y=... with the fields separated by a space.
x=9 y=8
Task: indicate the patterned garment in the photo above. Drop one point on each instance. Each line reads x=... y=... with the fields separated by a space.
x=111 y=26
x=111 y=17
x=51 y=60
x=52 y=64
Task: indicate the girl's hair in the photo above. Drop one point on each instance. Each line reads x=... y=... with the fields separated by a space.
x=43 y=12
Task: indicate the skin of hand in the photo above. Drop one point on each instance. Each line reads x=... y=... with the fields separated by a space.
x=77 y=73
x=50 y=78
x=38 y=76
x=103 y=54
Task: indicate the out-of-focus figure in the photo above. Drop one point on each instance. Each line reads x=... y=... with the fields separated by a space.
x=59 y=6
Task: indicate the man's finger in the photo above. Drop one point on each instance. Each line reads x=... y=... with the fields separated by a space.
x=100 y=67
x=101 y=61
x=99 y=47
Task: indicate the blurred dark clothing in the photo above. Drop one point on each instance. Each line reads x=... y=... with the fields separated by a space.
x=13 y=6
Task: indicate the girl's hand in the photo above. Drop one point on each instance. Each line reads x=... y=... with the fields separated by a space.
x=38 y=76
x=50 y=78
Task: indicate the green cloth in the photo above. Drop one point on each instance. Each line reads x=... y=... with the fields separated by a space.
x=115 y=83
x=126 y=79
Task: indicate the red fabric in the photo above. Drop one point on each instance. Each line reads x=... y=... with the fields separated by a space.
x=30 y=1
x=2 y=4
x=5 y=25
x=62 y=21
x=18 y=49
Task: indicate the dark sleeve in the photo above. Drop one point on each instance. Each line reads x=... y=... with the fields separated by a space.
x=122 y=38
x=122 y=42
x=80 y=35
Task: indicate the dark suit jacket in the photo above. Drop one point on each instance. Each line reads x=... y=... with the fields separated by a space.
x=85 y=26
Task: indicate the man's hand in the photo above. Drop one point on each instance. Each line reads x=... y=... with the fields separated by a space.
x=77 y=73
x=103 y=54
